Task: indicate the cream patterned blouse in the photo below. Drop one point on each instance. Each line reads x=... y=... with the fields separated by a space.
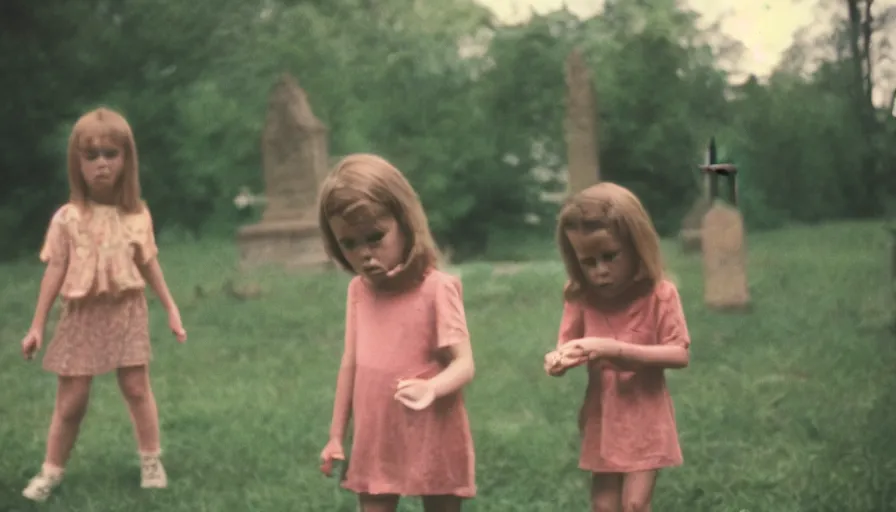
x=101 y=247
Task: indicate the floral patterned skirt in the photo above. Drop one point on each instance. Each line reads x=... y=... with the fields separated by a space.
x=98 y=334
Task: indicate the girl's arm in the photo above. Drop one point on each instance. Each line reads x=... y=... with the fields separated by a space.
x=342 y=402
x=572 y=327
x=152 y=272
x=55 y=254
x=50 y=285
x=345 y=381
x=672 y=349
x=148 y=263
x=458 y=373
x=630 y=356
x=572 y=323
x=453 y=338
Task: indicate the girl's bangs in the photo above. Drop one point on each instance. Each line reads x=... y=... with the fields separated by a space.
x=92 y=132
x=355 y=206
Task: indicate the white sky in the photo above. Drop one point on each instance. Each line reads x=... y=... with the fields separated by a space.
x=765 y=27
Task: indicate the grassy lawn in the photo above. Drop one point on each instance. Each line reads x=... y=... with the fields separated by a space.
x=789 y=408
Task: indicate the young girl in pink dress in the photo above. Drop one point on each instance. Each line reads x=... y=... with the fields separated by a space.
x=624 y=319
x=100 y=252
x=407 y=352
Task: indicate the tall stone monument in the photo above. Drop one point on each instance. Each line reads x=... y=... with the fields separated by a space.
x=580 y=126
x=724 y=255
x=294 y=156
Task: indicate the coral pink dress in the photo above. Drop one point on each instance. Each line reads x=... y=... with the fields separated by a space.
x=396 y=450
x=627 y=420
x=104 y=323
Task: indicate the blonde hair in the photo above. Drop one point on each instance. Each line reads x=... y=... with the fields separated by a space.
x=88 y=131
x=613 y=207
x=366 y=186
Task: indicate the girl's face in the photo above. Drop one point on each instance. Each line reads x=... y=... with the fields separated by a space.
x=101 y=166
x=607 y=263
x=373 y=248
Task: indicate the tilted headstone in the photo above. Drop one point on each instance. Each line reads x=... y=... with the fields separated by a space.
x=294 y=156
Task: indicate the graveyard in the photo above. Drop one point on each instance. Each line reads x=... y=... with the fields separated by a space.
x=780 y=409
x=787 y=404
x=783 y=408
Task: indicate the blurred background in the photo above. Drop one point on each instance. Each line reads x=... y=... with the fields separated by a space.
x=789 y=405
x=466 y=97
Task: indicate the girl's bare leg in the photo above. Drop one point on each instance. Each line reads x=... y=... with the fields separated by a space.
x=134 y=384
x=446 y=503
x=72 y=397
x=606 y=492
x=637 y=491
x=378 y=502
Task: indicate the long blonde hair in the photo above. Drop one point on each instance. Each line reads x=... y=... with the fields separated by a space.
x=88 y=131
x=367 y=186
x=608 y=206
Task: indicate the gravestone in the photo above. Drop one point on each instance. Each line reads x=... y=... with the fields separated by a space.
x=294 y=157
x=580 y=126
x=724 y=254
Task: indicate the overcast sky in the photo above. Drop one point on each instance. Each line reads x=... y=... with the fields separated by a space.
x=765 y=27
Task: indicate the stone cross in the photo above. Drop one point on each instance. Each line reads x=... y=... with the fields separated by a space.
x=580 y=126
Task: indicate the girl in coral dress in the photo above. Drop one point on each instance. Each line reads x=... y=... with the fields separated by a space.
x=100 y=253
x=407 y=352
x=623 y=319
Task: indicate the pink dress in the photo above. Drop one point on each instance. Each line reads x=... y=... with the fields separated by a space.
x=396 y=450
x=627 y=420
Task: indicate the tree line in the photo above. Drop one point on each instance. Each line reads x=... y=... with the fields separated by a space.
x=465 y=106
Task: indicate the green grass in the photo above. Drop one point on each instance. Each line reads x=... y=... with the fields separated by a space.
x=789 y=408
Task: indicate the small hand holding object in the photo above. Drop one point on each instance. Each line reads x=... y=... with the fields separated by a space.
x=176 y=325
x=416 y=394
x=558 y=361
x=31 y=343
x=332 y=451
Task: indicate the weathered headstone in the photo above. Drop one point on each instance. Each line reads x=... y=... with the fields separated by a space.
x=724 y=253
x=583 y=166
x=294 y=156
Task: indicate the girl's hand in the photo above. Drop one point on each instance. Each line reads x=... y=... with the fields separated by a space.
x=176 y=325
x=332 y=451
x=416 y=394
x=31 y=343
x=558 y=361
x=552 y=364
